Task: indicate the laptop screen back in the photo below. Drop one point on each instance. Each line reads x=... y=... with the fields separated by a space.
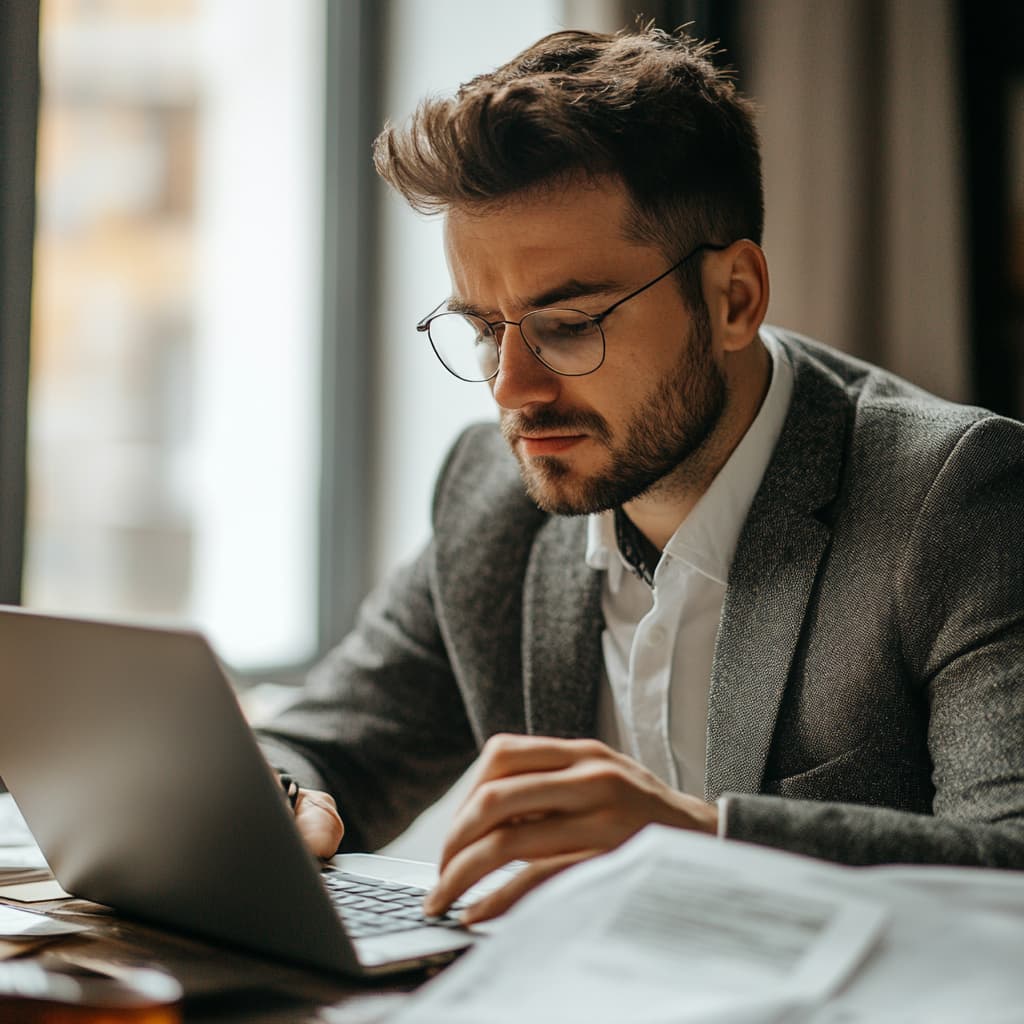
x=129 y=758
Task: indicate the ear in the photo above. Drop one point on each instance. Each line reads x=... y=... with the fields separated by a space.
x=737 y=291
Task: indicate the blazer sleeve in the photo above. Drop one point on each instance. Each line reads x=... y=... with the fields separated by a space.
x=960 y=603
x=381 y=723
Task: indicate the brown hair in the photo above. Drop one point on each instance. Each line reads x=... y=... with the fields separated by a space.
x=643 y=105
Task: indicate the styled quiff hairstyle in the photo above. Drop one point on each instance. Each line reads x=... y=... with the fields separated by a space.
x=645 y=106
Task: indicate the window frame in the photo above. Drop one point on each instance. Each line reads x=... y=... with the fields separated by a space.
x=19 y=108
x=353 y=40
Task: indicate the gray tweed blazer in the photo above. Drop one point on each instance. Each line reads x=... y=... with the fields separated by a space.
x=867 y=694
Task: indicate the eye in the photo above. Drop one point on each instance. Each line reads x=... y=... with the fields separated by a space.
x=572 y=328
x=558 y=326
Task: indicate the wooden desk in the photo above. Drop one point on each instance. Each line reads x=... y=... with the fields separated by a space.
x=220 y=985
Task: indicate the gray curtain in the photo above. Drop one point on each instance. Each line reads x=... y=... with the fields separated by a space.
x=865 y=232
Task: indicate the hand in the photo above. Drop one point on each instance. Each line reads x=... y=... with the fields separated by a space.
x=318 y=821
x=552 y=803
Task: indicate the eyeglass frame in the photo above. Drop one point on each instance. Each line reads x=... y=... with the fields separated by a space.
x=596 y=318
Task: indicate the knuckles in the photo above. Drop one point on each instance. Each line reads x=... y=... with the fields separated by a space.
x=500 y=747
x=497 y=846
x=605 y=779
x=589 y=749
x=488 y=798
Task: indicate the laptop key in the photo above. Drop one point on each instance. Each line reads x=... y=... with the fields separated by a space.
x=371 y=907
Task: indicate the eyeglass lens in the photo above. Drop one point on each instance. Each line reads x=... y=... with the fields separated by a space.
x=564 y=340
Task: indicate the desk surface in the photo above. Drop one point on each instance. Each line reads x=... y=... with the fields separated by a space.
x=220 y=985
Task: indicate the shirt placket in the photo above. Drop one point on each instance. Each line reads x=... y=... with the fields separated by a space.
x=650 y=670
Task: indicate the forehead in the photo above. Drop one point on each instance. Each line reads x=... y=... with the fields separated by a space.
x=593 y=210
x=526 y=242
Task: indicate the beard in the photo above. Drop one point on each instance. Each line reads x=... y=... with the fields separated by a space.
x=662 y=439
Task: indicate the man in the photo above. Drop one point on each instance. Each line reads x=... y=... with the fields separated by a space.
x=727 y=579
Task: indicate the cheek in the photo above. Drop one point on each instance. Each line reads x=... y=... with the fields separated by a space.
x=620 y=390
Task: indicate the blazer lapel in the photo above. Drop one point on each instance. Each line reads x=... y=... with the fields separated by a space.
x=771 y=580
x=562 y=627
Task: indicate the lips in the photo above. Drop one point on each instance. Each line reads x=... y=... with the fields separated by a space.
x=551 y=444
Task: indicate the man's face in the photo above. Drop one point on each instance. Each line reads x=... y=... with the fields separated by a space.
x=639 y=422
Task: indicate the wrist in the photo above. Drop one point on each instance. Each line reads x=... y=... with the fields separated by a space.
x=695 y=815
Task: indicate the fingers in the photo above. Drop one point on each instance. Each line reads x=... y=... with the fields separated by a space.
x=318 y=822
x=504 y=801
x=534 y=798
x=497 y=902
x=506 y=755
x=511 y=754
x=545 y=800
x=539 y=840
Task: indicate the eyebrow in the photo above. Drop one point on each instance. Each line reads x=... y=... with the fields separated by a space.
x=564 y=292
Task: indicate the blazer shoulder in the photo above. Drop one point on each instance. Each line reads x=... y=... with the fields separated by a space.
x=922 y=436
x=891 y=418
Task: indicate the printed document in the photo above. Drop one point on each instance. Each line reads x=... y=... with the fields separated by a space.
x=671 y=927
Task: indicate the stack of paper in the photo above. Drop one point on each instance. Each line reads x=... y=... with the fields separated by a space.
x=26 y=925
x=672 y=927
x=20 y=858
x=19 y=865
x=676 y=927
x=24 y=874
x=13 y=830
x=21 y=931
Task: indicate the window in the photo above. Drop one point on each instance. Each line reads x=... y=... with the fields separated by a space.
x=175 y=418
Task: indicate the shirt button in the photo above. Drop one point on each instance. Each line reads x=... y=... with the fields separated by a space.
x=657 y=636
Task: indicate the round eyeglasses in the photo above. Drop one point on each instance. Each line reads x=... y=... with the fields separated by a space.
x=567 y=341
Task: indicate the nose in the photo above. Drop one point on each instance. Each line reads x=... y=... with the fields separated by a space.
x=522 y=379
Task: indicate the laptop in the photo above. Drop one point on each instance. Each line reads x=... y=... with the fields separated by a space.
x=127 y=753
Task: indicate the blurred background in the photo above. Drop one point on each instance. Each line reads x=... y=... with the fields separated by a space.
x=215 y=408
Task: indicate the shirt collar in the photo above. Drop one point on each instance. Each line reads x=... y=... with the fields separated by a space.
x=706 y=540
x=602 y=549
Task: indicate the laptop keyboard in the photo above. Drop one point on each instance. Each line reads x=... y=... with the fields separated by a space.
x=372 y=907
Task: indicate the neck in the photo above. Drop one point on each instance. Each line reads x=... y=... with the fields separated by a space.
x=660 y=511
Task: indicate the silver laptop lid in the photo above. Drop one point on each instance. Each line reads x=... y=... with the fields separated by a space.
x=129 y=758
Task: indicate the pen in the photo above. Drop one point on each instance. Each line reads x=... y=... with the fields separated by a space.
x=290 y=787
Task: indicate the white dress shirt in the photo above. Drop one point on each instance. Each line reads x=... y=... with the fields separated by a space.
x=659 y=641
